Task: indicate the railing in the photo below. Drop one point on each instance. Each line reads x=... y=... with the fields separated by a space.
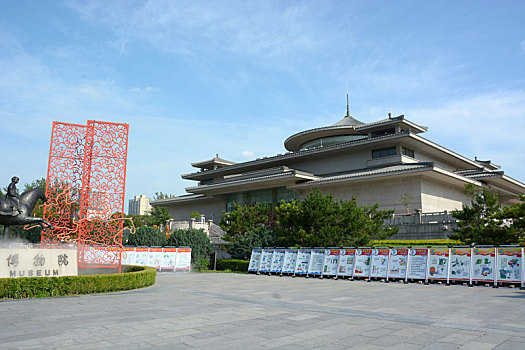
x=437 y=225
x=421 y=218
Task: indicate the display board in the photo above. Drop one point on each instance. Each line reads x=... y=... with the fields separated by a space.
x=331 y=262
x=154 y=257
x=438 y=263
x=362 y=262
x=509 y=264
x=460 y=264
x=141 y=256
x=169 y=259
x=303 y=261
x=290 y=259
x=266 y=260
x=255 y=260
x=128 y=256
x=315 y=267
x=379 y=264
x=398 y=263
x=183 y=262
x=483 y=264
x=417 y=263
x=346 y=262
x=277 y=261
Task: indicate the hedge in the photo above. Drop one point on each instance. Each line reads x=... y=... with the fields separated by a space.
x=414 y=242
x=41 y=287
x=233 y=265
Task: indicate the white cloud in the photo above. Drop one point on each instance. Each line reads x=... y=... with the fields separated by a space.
x=263 y=30
x=489 y=126
x=145 y=89
x=247 y=154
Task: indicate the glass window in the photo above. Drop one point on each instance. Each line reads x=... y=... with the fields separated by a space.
x=331 y=140
x=384 y=152
x=265 y=196
x=383 y=132
x=408 y=152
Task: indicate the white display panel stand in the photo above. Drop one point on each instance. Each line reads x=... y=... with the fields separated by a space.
x=128 y=256
x=379 y=264
x=315 y=267
x=266 y=260
x=484 y=264
x=362 y=262
x=460 y=264
x=417 y=263
x=141 y=256
x=290 y=259
x=345 y=268
x=277 y=261
x=509 y=265
x=438 y=263
x=154 y=257
x=169 y=259
x=331 y=262
x=398 y=263
x=303 y=261
x=255 y=260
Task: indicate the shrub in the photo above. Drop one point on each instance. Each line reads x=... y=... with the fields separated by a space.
x=198 y=240
x=233 y=265
x=202 y=264
x=32 y=235
x=147 y=236
x=414 y=242
x=39 y=287
x=242 y=247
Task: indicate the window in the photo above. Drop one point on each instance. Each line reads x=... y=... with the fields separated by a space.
x=384 y=152
x=383 y=132
x=265 y=196
x=331 y=140
x=407 y=152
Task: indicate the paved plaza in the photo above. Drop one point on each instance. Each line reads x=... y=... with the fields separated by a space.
x=237 y=311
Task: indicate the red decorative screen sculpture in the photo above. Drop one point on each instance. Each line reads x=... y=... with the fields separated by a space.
x=85 y=186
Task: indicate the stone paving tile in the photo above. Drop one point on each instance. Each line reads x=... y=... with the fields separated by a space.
x=492 y=338
x=475 y=345
x=404 y=346
x=235 y=311
x=387 y=340
x=438 y=345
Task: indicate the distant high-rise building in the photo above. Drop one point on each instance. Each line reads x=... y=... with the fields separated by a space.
x=139 y=205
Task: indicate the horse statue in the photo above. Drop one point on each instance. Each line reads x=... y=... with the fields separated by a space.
x=10 y=217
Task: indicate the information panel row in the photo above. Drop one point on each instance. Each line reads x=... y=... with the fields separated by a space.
x=485 y=264
x=163 y=259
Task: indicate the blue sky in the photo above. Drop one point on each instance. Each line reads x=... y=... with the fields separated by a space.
x=196 y=78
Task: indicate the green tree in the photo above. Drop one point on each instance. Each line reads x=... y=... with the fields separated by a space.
x=248 y=217
x=406 y=199
x=481 y=223
x=195 y=215
x=159 y=215
x=515 y=215
x=198 y=240
x=471 y=191
x=320 y=221
x=242 y=247
x=147 y=236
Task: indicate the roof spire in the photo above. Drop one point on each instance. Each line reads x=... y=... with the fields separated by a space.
x=347 y=107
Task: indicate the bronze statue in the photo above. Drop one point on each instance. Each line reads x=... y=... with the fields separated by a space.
x=16 y=210
x=12 y=195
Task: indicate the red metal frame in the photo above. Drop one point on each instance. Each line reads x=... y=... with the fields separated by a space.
x=85 y=187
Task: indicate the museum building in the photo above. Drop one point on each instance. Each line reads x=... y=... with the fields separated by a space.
x=377 y=162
